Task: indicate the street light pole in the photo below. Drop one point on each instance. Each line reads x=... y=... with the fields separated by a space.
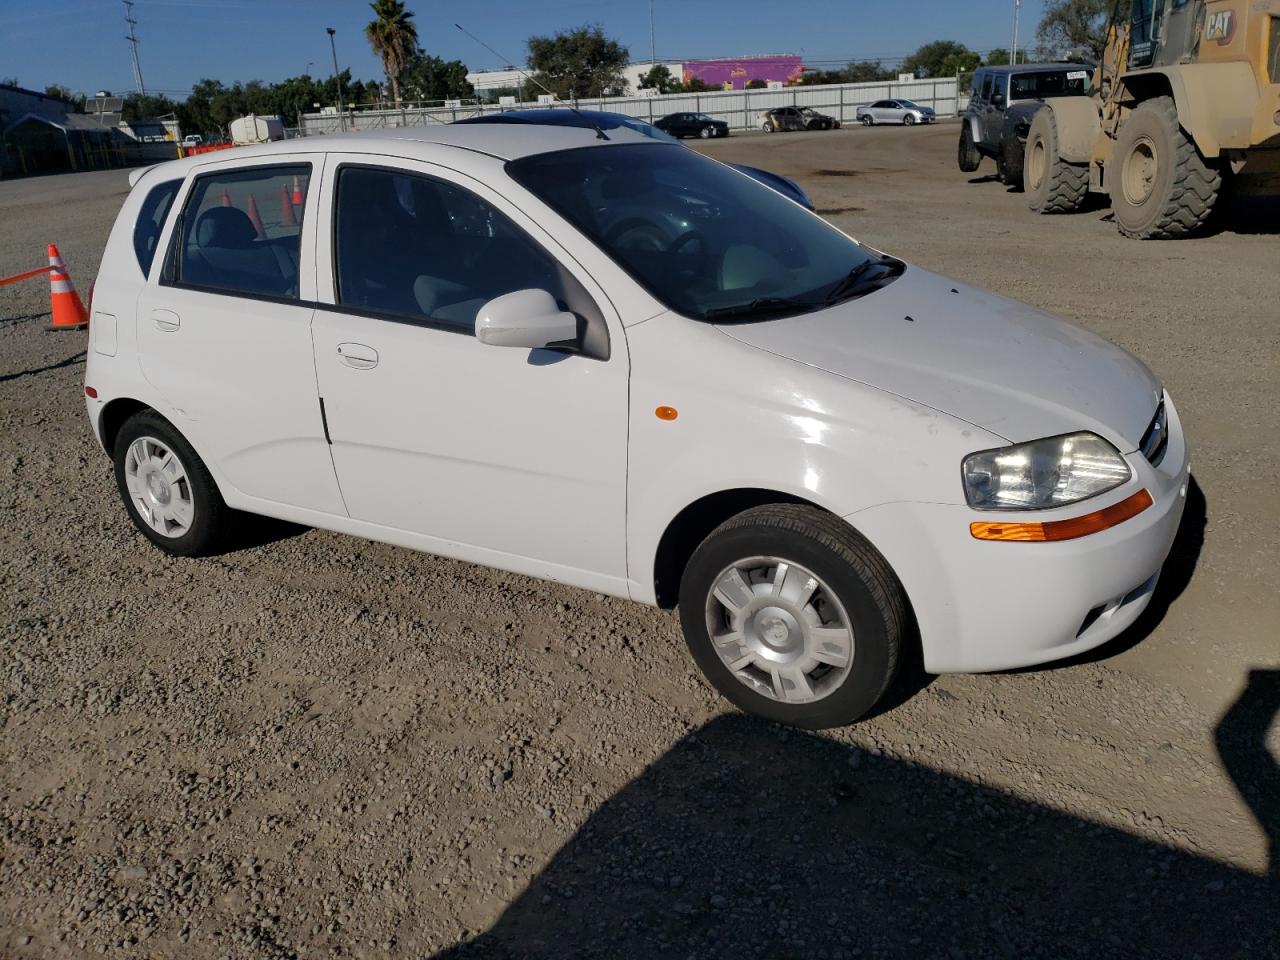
x=342 y=116
x=653 y=46
x=1013 y=51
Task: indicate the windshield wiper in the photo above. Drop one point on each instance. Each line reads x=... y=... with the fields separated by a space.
x=758 y=307
x=892 y=267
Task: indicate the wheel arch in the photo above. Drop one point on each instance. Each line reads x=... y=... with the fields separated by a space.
x=1215 y=101
x=113 y=417
x=1078 y=125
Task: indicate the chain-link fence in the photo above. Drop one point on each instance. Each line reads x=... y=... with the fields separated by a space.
x=741 y=109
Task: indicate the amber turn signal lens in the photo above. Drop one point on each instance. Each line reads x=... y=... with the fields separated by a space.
x=666 y=413
x=1064 y=529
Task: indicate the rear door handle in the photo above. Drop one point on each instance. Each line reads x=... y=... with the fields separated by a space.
x=166 y=320
x=358 y=355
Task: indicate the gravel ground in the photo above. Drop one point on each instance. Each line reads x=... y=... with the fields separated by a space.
x=319 y=746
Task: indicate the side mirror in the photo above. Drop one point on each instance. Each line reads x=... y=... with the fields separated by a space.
x=526 y=318
x=997 y=100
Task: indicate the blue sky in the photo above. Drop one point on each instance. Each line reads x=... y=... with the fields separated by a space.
x=80 y=43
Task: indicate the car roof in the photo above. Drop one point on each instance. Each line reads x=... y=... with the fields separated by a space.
x=1036 y=67
x=502 y=141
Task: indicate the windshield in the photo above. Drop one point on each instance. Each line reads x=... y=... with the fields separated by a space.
x=1038 y=86
x=702 y=117
x=910 y=103
x=705 y=240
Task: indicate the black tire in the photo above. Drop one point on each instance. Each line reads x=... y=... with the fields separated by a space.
x=1183 y=187
x=909 y=120
x=213 y=521
x=1052 y=184
x=867 y=120
x=1008 y=168
x=767 y=126
x=838 y=556
x=967 y=156
x=705 y=133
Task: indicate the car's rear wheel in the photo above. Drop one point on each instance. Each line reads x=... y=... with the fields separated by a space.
x=793 y=616
x=167 y=489
x=967 y=155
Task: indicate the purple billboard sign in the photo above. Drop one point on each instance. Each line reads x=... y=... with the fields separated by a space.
x=736 y=74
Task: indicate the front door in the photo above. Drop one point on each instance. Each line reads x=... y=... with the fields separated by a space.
x=506 y=456
x=224 y=332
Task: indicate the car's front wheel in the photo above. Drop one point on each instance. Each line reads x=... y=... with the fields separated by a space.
x=967 y=156
x=909 y=119
x=167 y=490
x=793 y=616
x=866 y=120
x=767 y=126
x=705 y=133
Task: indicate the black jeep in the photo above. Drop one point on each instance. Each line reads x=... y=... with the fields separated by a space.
x=1002 y=102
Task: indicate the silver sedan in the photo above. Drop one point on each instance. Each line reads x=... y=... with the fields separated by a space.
x=895 y=111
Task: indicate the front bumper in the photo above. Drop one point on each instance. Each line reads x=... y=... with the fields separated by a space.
x=983 y=605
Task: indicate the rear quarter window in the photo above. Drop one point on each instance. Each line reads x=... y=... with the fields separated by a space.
x=150 y=222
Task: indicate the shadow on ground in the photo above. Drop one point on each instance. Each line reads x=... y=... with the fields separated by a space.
x=749 y=840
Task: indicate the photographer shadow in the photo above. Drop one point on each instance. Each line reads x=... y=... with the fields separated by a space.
x=750 y=840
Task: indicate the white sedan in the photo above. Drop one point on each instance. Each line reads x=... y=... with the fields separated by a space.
x=594 y=358
x=906 y=112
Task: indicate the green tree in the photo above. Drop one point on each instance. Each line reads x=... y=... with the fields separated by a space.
x=431 y=78
x=697 y=85
x=660 y=78
x=999 y=57
x=1073 y=23
x=394 y=38
x=138 y=106
x=579 y=63
x=942 y=58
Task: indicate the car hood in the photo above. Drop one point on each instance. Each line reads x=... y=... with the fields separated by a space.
x=1008 y=368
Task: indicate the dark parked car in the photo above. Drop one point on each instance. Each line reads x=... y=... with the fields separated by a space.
x=1002 y=102
x=692 y=125
x=796 y=118
x=604 y=120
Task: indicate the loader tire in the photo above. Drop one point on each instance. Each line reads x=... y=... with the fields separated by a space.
x=1052 y=184
x=1161 y=187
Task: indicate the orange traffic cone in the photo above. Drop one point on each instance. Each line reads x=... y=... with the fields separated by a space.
x=255 y=219
x=287 y=216
x=68 y=311
x=226 y=198
x=297 y=192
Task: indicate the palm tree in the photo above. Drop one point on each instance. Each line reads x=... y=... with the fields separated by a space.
x=394 y=39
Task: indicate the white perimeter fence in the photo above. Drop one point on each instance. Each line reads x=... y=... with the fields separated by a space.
x=741 y=109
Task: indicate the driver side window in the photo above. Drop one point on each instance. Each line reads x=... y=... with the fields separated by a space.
x=411 y=246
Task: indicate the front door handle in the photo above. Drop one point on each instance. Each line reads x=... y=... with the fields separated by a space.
x=166 y=320
x=358 y=356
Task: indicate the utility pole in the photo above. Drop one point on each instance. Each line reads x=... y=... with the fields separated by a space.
x=133 y=41
x=342 y=116
x=1013 y=50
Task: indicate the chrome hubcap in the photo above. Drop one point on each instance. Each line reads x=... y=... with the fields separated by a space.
x=780 y=630
x=158 y=487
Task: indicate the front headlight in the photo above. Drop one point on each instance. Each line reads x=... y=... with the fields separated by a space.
x=1043 y=473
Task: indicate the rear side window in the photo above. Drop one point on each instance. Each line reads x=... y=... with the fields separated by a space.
x=418 y=247
x=146 y=232
x=240 y=232
x=987 y=83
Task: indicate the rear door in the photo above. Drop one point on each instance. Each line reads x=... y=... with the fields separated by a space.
x=224 y=330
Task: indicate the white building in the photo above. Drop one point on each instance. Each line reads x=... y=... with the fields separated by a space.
x=509 y=78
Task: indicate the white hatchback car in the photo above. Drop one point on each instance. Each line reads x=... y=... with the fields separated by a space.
x=611 y=362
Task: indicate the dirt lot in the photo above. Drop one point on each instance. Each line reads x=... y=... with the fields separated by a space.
x=319 y=746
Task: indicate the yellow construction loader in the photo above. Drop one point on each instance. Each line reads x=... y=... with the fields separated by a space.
x=1187 y=93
